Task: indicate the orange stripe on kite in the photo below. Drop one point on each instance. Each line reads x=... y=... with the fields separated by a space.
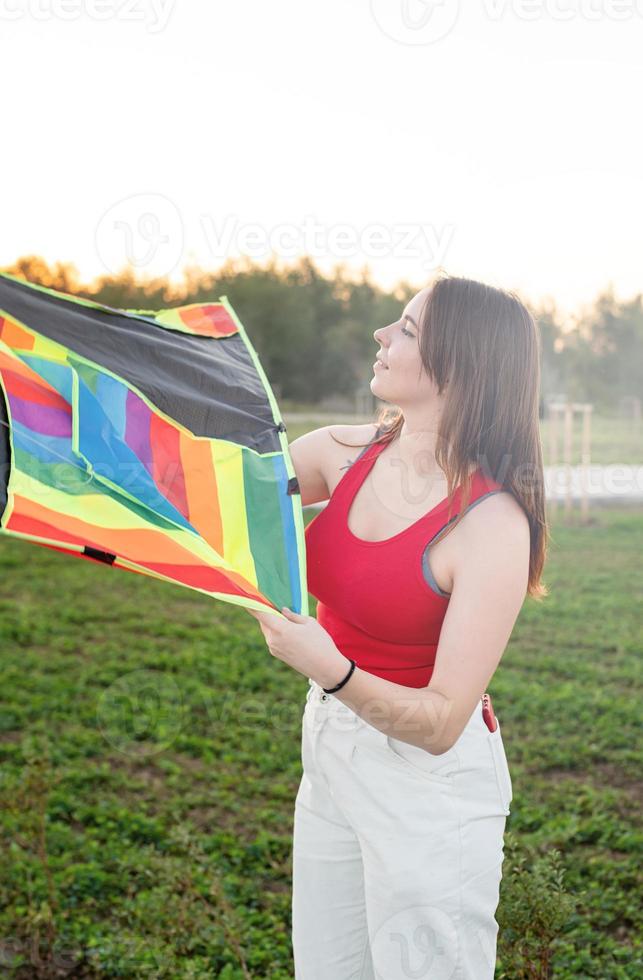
x=201 y=490
x=129 y=543
x=15 y=336
x=194 y=574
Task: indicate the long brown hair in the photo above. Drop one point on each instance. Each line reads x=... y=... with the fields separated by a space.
x=486 y=344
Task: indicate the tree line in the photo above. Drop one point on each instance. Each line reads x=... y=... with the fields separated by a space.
x=314 y=333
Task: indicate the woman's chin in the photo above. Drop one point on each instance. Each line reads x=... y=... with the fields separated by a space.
x=373 y=383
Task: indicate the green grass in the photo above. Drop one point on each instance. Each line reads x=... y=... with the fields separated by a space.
x=150 y=757
x=613 y=440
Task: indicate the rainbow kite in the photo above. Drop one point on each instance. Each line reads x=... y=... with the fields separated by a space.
x=149 y=440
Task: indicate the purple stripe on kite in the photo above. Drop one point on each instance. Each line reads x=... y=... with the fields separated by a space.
x=137 y=429
x=41 y=418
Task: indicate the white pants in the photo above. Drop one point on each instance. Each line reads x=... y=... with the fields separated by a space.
x=397 y=853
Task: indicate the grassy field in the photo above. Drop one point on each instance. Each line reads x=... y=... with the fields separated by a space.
x=150 y=757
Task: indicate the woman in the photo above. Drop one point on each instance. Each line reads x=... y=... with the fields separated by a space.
x=401 y=809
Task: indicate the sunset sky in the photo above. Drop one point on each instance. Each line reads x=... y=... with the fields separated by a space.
x=499 y=140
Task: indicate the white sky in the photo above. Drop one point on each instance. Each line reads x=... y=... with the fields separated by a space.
x=507 y=149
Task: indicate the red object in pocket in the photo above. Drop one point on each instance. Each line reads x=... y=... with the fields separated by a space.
x=487 y=712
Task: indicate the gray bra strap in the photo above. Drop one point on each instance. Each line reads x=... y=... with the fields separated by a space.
x=426 y=568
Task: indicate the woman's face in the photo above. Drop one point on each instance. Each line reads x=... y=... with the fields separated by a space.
x=403 y=379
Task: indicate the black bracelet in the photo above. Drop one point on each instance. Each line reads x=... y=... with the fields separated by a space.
x=331 y=690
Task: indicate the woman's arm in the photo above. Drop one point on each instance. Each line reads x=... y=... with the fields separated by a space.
x=308 y=454
x=490 y=586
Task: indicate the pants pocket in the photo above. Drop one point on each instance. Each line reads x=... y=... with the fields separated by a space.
x=501 y=766
x=417 y=761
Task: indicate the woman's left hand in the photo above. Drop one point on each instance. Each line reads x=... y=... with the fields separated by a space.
x=303 y=644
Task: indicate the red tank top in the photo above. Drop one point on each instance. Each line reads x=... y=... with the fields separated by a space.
x=378 y=599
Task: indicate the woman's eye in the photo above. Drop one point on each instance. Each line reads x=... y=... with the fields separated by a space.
x=407 y=332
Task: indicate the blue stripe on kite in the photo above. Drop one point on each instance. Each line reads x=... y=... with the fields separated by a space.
x=288 y=525
x=112 y=395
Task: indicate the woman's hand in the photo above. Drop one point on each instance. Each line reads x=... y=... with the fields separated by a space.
x=303 y=644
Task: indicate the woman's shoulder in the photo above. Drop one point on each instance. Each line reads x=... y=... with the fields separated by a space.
x=356 y=436
x=494 y=514
x=346 y=444
x=320 y=457
x=491 y=539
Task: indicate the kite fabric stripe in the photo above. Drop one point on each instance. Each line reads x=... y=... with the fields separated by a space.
x=150 y=441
